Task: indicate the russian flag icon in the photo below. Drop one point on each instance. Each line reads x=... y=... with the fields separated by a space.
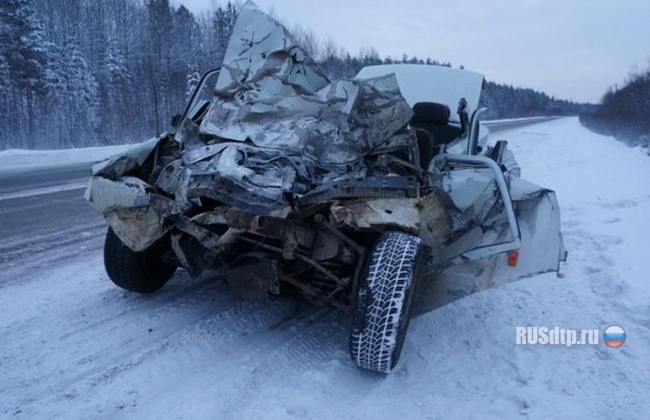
x=614 y=336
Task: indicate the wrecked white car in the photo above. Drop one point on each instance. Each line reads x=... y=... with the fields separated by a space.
x=361 y=194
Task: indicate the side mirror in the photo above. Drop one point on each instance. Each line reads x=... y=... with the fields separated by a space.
x=176 y=119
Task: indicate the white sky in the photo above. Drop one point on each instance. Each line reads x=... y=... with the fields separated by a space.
x=572 y=49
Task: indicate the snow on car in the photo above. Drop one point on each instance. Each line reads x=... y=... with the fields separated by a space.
x=359 y=194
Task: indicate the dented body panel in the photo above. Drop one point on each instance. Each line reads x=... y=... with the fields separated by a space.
x=286 y=170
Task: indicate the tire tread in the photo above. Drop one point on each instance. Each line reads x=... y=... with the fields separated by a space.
x=382 y=314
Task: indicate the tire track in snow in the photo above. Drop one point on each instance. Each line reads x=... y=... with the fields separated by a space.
x=251 y=326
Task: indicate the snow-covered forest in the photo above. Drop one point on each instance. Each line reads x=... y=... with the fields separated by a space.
x=625 y=111
x=81 y=73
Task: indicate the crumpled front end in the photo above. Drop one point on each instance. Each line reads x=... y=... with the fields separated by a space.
x=276 y=130
x=295 y=177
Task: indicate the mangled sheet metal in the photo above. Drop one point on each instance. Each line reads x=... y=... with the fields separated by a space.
x=271 y=92
x=294 y=165
x=276 y=129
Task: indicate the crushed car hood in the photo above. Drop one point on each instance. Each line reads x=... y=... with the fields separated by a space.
x=279 y=145
x=271 y=92
x=276 y=130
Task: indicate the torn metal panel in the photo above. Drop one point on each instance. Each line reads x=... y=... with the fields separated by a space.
x=465 y=186
x=369 y=187
x=172 y=177
x=286 y=166
x=206 y=237
x=265 y=56
x=123 y=163
x=191 y=254
x=273 y=227
x=542 y=245
x=520 y=190
x=237 y=173
x=541 y=250
x=106 y=195
x=440 y=220
x=271 y=92
x=363 y=214
x=140 y=227
x=203 y=152
x=135 y=215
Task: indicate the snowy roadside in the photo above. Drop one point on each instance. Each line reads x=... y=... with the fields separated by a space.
x=462 y=360
x=505 y=122
x=74 y=344
x=21 y=160
x=28 y=173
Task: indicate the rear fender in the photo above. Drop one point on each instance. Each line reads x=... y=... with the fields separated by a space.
x=466 y=190
x=539 y=244
x=542 y=245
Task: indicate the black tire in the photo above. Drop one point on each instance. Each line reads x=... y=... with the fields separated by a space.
x=139 y=272
x=384 y=301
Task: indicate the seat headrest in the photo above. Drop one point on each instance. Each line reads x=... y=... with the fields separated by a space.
x=430 y=112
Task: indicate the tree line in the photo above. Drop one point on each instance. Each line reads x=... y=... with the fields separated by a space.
x=624 y=112
x=83 y=73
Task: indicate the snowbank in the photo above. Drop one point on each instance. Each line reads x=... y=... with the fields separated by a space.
x=13 y=160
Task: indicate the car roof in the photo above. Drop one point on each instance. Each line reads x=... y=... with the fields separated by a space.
x=425 y=83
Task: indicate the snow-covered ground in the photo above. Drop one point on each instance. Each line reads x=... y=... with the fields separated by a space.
x=17 y=160
x=75 y=346
x=28 y=173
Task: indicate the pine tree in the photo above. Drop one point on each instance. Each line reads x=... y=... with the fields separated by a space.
x=24 y=47
x=158 y=60
x=77 y=72
x=73 y=96
x=4 y=103
x=185 y=39
x=223 y=25
x=114 y=84
x=192 y=81
x=24 y=52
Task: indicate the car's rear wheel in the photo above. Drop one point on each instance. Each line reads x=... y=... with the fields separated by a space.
x=139 y=272
x=384 y=301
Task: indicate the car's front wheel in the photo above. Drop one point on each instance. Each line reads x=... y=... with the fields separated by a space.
x=384 y=301
x=139 y=272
